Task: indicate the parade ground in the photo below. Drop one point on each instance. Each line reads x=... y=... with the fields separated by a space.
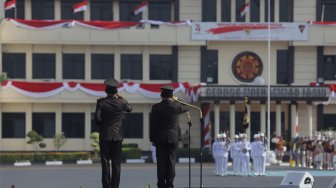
x=140 y=175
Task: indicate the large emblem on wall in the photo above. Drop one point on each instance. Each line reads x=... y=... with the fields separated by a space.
x=246 y=66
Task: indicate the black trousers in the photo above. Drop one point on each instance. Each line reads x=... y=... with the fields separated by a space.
x=110 y=150
x=166 y=158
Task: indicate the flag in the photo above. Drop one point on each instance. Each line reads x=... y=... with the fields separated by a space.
x=79 y=7
x=244 y=9
x=297 y=122
x=246 y=118
x=10 y=4
x=206 y=126
x=141 y=8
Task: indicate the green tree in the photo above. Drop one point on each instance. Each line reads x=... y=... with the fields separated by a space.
x=3 y=77
x=95 y=143
x=59 y=140
x=35 y=140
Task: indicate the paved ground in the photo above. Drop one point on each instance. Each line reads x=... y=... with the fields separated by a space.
x=139 y=175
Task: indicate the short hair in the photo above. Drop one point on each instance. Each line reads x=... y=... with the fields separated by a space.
x=166 y=94
x=111 y=90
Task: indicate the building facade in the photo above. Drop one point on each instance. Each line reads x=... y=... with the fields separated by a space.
x=68 y=58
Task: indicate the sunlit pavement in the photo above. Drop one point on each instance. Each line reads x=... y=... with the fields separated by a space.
x=140 y=175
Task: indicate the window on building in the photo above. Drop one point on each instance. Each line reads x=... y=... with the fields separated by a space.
x=329 y=121
x=255 y=10
x=226 y=11
x=271 y=11
x=44 y=66
x=44 y=124
x=17 y=12
x=73 y=125
x=285 y=10
x=160 y=67
x=209 y=65
x=131 y=66
x=14 y=64
x=43 y=9
x=126 y=10
x=239 y=6
x=209 y=11
x=328 y=10
x=73 y=66
x=102 y=66
x=101 y=10
x=282 y=66
x=133 y=125
x=94 y=126
x=224 y=122
x=67 y=11
x=329 y=67
x=13 y=125
x=160 y=10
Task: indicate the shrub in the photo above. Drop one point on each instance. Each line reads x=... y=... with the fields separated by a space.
x=131 y=153
x=42 y=156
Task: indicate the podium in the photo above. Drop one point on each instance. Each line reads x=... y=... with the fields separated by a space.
x=297 y=179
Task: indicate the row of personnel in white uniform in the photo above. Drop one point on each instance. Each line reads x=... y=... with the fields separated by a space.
x=240 y=152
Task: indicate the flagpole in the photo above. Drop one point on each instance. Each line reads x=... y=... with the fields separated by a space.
x=322 y=14
x=269 y=74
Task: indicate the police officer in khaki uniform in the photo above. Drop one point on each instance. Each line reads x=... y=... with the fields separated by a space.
x=164 y=133
x=108 y=116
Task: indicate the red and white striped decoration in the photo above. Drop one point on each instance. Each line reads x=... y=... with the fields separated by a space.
x=80 y=7
x=206 y=127
x=141 y=8
x=244 y=9
x=10 y=4
x=297 y=121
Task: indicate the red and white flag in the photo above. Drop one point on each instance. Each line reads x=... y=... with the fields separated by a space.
x=10 y=4
x=141 y=8
x=244 y=9
x=79 y=7
x=297 y=121
x=206 y=126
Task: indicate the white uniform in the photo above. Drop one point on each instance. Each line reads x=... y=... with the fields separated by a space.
x=153 y=149
x=254 y=156
x=234 y=153
x=245 y=157
x=215 y=156
x=263 y=147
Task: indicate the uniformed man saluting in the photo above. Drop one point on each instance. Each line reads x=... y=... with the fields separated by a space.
x=108 y=117
x=164 y=133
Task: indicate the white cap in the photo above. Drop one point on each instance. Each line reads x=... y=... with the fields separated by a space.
x=243 y=135
x=262 y=134
x=219 y=136
x=255 y=136
x=224 y=135
x=236 y=136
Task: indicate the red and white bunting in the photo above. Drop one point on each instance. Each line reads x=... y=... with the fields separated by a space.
x=322 y=23
x=42 y=24
x=80 y=7
x=173 y=23
x=105 y=24
x=141 y=8
x=10 y=4
x=244 y=9
x=49 y=89
x=297 y=121
x=100 y=25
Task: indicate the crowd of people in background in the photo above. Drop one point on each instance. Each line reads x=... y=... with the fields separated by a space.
x=248 y=159
x=317 y=152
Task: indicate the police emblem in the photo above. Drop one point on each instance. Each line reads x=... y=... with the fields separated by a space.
x=246 y=66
